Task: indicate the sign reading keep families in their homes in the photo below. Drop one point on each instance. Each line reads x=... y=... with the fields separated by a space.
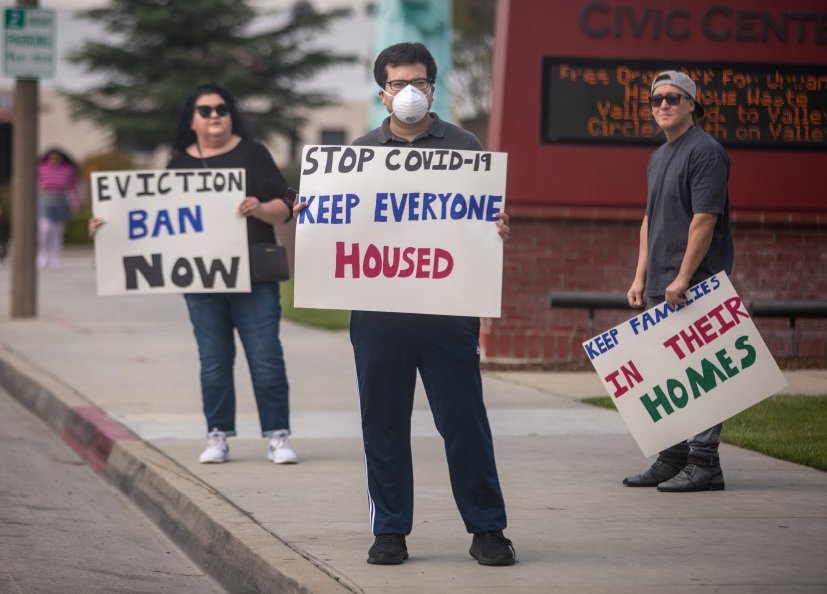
x=170 y=231
x=29 y=46
x=400 y=229
x=673 y=373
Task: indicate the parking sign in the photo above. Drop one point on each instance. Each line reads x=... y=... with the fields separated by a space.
x=29 y=48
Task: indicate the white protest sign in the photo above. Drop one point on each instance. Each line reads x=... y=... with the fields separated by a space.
x=170 y=231
x=675 y=373
x=400 y=229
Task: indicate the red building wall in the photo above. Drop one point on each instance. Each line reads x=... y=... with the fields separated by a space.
x=773 y=261
x=576 y=207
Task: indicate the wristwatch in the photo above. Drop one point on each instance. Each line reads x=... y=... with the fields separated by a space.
x=289 y=199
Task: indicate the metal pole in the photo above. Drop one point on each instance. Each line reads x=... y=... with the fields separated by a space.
x=24 y=201
x=24 y=195
x=794 y=338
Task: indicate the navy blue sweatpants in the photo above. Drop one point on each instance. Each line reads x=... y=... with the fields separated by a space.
x=389 y=348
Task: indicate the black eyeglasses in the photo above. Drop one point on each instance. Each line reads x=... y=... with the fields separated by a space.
x=206 y=110
x=671 y=99
x=420 y=84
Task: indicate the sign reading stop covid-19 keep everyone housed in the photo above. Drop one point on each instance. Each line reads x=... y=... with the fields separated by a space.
x=675 y=372
x=400 y=229
x=170 y=231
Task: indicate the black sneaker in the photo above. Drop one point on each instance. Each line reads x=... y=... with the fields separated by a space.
x=492 y=548
x=388 y=549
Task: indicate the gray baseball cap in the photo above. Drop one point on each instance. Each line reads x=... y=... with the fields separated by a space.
x=683 y=82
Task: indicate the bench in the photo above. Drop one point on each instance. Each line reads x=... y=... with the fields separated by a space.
x=759 y=308
x=590 y=300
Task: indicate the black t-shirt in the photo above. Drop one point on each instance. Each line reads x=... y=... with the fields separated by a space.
x=264 y=180
x=685 y=177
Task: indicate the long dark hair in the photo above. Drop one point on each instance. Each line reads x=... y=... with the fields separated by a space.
x=184 y=135
x=63 y=155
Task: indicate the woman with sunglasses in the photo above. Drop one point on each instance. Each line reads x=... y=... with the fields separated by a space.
x=211 y=134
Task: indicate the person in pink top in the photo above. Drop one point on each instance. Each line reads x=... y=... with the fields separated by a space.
x=57 y=199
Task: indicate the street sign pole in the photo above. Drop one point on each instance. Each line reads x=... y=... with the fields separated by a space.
x=24 y=200
x=24 y=182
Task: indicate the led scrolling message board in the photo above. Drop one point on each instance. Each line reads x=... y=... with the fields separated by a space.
x=778 y=106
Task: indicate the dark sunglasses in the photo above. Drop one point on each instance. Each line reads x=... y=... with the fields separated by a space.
x=671 y=99
x=206 y=110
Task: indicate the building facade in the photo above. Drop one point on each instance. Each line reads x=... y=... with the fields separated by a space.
x=570 y=107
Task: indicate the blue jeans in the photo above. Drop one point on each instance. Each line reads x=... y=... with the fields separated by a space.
x=699 y=449
x=702 y=447
x=256 y=316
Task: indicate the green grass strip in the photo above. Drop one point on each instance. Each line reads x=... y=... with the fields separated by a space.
x=328 y=319
x=788 y=427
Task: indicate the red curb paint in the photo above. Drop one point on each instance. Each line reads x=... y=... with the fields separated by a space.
x=91 y=433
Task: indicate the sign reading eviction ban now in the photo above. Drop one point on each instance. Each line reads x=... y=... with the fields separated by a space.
x=170 y=231
x=675 y=373
x=400 y=229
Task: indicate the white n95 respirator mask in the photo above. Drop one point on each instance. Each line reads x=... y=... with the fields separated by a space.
x=410 y=105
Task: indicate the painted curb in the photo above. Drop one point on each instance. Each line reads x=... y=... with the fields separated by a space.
x=223 y=540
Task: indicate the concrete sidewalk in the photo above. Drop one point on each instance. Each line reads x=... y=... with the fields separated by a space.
x=118 y=377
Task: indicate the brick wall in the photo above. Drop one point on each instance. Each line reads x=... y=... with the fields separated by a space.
x=772 y=261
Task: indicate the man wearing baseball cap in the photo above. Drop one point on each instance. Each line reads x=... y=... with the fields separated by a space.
x=685 y=238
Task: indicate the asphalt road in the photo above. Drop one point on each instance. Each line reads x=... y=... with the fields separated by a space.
x=63 y=529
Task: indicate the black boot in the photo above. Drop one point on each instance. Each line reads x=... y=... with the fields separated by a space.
x=660 y=471
x=701 y=473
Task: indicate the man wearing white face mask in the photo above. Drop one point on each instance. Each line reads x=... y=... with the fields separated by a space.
x=410 y=105
x=390 y=348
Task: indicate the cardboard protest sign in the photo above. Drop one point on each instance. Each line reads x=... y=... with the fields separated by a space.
x=400 y=229
x=170 y=231
x=675 y=373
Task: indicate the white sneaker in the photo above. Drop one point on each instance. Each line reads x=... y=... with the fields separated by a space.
x=280 y=451
x=218 y=451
